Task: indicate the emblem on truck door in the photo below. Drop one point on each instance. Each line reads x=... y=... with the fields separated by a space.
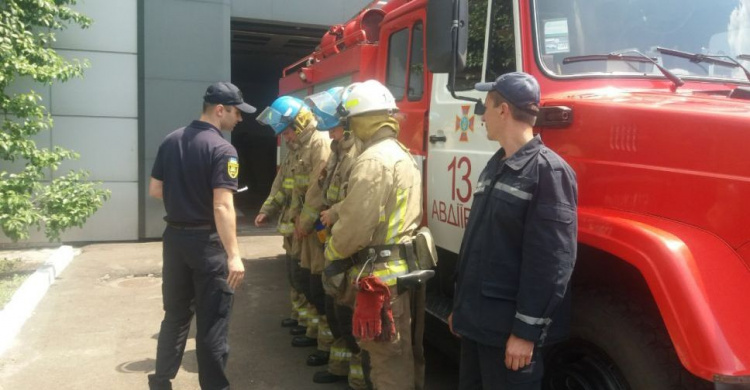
x=464 y=123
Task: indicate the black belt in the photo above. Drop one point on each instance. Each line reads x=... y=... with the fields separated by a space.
x=381 y=253
x=191 y=226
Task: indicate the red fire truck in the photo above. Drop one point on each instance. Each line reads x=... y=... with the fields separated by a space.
x=649 y=102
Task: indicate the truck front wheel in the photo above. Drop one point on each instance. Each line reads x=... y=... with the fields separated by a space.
x=615 y=345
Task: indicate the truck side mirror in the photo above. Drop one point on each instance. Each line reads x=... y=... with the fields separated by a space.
x=447 y=35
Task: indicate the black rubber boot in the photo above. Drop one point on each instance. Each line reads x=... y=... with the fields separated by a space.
x=317 y=293
x=344 y=314
x=298 y=330
x=327 y=377
x=304 y=284
x=318 y=358
x=297 y=277
x=304 y=341
x=333 y=321
x=289 y=323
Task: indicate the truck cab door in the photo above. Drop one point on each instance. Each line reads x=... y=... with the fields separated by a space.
x=458 y=147
x=402 y=68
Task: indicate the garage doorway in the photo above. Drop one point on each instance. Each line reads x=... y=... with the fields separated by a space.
x=260 y=52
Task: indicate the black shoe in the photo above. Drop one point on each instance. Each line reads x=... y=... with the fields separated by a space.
x=327 y=377
x=319 y=358
x=298 y=330
x=304 y=341
x=155 y=383
x=289 y=323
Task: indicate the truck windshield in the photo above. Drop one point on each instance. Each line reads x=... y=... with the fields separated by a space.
x=575 y=28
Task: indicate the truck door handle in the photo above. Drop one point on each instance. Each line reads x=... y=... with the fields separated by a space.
x=437 y=138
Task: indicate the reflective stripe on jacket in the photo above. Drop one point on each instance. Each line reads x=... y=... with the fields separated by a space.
x=313 y=154
x=280 y=197
x=519 y=249
x=336 y=176
x=383 y=205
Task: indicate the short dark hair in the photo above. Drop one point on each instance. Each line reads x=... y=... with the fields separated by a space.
x=515 y=112
x=208 y=106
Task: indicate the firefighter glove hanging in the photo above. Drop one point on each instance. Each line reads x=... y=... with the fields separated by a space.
x=373 y=319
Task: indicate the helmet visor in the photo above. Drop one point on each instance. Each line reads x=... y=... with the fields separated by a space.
x=271 y=117
x=323 y=102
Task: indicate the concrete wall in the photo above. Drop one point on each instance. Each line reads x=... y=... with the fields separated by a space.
x=186 y=48
x=97 y=115
x=151 y=61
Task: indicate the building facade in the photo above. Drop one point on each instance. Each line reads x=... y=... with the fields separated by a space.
x=151 y=61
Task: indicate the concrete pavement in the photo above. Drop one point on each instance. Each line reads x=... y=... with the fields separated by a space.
x=97 y=326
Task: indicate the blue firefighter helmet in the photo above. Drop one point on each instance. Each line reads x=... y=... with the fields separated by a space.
x=281 y=113
x=323 y=105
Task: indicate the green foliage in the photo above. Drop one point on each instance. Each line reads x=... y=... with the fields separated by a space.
x=477 y=23
x=502 y=47
x=13 y=272
x=29 y=196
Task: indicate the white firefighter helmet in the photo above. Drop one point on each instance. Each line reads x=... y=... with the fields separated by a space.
x=367 y=96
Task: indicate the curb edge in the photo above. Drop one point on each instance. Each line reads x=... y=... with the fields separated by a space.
x=27 y=297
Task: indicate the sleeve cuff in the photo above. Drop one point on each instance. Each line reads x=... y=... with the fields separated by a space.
x=333 y=215
x=306 y=224
x=268 y=210
x=527 y=331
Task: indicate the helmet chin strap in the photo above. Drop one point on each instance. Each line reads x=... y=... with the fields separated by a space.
x=303 y=120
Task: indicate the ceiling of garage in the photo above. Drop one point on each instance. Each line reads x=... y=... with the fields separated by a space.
x=272 y=39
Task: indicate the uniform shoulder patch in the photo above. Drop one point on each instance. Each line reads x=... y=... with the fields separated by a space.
x=233 y=167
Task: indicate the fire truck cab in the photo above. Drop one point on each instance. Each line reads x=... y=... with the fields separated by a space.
x=649 y=102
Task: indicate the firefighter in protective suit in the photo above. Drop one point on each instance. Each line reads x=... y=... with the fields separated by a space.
x=289 y=117
x=320 y=213
x=372 y=238
x=312 y=155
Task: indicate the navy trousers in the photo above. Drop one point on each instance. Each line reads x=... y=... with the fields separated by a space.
x=194 y=282
x=482 y=367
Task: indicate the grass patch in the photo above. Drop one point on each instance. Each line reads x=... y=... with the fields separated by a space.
x=13 y=272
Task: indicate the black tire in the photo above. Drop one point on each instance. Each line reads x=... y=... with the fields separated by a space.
x=615 y=345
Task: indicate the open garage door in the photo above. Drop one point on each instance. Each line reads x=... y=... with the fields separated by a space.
x=260 y=51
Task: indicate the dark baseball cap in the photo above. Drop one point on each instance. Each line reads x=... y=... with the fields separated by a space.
x=227 y=94
x=518 y=88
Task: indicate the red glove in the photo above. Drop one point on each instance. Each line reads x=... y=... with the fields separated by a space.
x=371 y=302
x=389 y=327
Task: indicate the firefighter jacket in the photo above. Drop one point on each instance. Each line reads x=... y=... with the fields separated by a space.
x=519 y=248
x=383 y=205
x=315 y=147
x=280 y=198
x=331 y=184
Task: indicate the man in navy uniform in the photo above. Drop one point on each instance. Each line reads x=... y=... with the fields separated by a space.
x=195 y=172
x=518 y=250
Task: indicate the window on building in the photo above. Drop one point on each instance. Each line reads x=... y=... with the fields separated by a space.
x=416 y=64
x=395 y=77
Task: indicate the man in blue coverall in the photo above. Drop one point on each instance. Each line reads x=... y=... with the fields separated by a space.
x=519 y=248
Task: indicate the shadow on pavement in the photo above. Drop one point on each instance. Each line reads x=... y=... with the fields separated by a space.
x=261 y=355
x=146 y=365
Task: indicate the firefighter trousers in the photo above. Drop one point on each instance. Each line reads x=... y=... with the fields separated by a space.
x=392 y=363
x=295 y=276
